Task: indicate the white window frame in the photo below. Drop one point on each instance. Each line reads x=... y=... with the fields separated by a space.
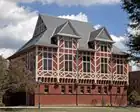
x=119 y=62
x=67 y=60
x=104 y=63
x=104 y=49
x=86 y=62
x=47 y=59
x=68 y=39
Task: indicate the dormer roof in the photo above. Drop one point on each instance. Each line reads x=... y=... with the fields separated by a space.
x=67 y=29
x=100 y=35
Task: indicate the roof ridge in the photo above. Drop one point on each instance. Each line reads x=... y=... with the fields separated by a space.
x=63 y=18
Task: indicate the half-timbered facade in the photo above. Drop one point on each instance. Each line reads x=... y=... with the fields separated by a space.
x=75 y=64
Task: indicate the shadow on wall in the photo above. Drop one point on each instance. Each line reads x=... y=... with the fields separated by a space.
x=18 y=99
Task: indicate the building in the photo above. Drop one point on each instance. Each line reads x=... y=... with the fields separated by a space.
x=75 y=64
x=134 y=82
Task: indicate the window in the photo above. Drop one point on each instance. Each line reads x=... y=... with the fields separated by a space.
x=118 y=89
x=119 y=66
x=68 y=62
x=54 y=40
x=47 y=61
x=63 y=89
x=104 y=63
x=105 y=89
x=82 y=89
x=88 y=89
x=68 y=43
x=104 y=47
x=46 y=89
x=86 y=63
x=70 y=89
x=99 y=89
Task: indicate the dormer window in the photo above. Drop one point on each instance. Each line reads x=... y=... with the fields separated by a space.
x=104 y=47
x=91 y=45
x=54 y=40
x=68 y=43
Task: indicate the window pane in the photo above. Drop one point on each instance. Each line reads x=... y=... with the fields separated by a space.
x=84 y=67
x=121 y=67
x=70 y=57
x=45 y=54
x=46 y=88
x=102 y=48
x=66 y=44
x=105 y=48
x=88 y=58
x=106 y=70
x=70 y=44
x=102 y=68
x=45 y=64
x=99 y=89
x=63 y=89
x=84 y=58
x=70 y=65
x=66 y=57
x=105 y=60
x=49 y=64
x=49 y=55
x=102 y=60
x=70 y=89
x=66 y=65
x=82 y=89
x=88 y=89
x=88 y=67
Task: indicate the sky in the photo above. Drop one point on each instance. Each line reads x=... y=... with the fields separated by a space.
x=18 y=19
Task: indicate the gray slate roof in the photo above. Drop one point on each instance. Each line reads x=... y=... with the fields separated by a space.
x=82 y=30
x=116 y=50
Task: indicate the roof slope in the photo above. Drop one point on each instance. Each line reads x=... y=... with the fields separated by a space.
x=82 y=28
x=116 y=50
x=55 y=25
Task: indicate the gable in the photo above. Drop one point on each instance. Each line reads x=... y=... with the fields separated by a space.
x=104 y=35
x=40 y=27
x=69 y=29
x=94 y=34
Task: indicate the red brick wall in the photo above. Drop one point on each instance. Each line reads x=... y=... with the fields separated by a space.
x=54 y=97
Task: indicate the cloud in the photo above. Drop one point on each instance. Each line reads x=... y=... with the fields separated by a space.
x=16 y=26
x=97 y=26
x=71 y=2
x=120 y=42
x=80 y=17
x=7 y=52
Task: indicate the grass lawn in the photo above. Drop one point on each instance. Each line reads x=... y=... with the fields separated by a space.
x=80 y=109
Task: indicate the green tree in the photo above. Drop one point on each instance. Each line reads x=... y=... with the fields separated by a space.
x=132 y=7
x=20 y=78
x=133 y=97
x=14 y=77
x=3 y=77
